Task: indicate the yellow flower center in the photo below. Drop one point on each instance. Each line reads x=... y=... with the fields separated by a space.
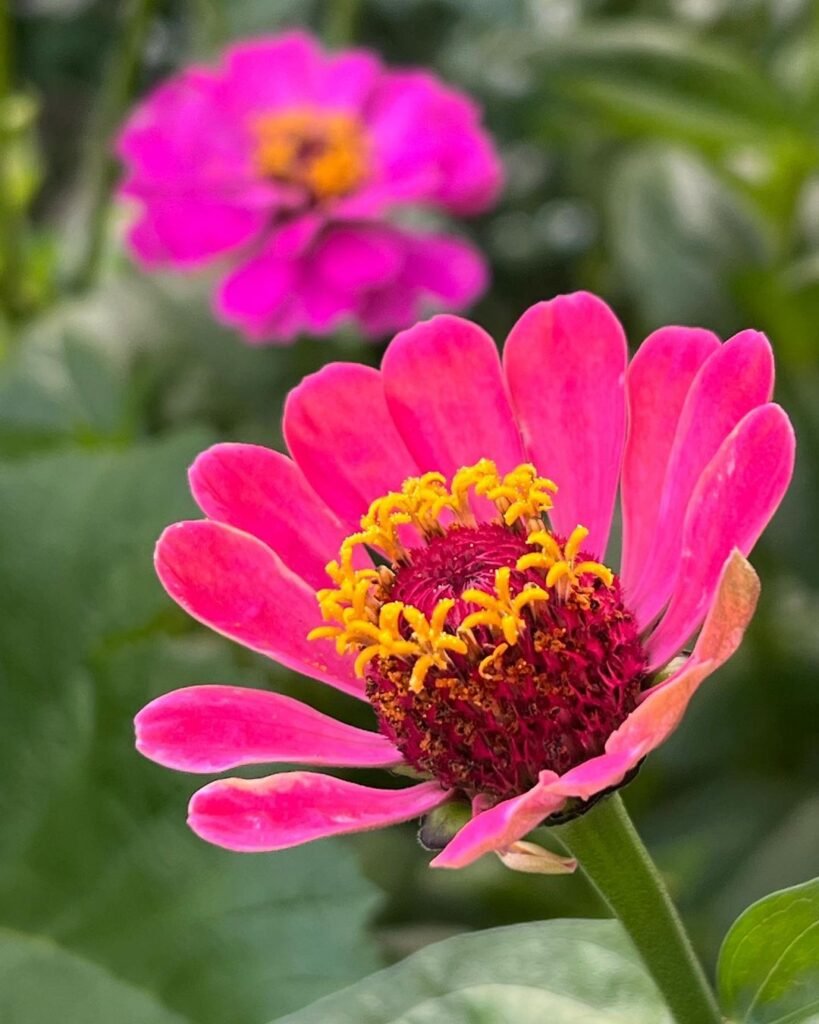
x=365 y=619
x=325 y=153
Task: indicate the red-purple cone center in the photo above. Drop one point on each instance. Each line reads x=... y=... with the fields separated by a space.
x=494 y=718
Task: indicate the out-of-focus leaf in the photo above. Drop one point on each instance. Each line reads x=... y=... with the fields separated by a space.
x=664 y=81
x=769 y=963
x=94 y=851
x=556 y=971
x=678 y=234
x=42 y=984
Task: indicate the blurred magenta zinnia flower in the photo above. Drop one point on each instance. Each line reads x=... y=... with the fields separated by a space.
x=505 y=661
x=288 y=160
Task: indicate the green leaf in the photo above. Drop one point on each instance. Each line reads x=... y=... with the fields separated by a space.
x=678 y=236
x=661 y=80
x=562 y=972
x=43 y=984
x=94 y=851
x=768 y=968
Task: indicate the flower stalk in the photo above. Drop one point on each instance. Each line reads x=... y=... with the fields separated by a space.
x=614 y=858
x=100 y=170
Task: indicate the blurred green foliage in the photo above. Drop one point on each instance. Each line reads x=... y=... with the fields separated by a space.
x=663 y=153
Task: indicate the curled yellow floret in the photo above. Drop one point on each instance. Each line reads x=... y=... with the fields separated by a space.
x=501 y=610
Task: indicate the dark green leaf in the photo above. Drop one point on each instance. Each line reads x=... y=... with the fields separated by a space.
x=769 y=963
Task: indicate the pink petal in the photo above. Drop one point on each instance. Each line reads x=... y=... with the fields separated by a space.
x=446 y=393
x=736 y=378
x=438 y=273
x=664 y=706
x=430 y=146
x=256 y=815
x=255 y=294
x=734 y=500
x=212 y=728
x=266 y=74
x=657 y=383
x=565 y=361
x=341 y=434
x=502 y=825
x=356 y=258
x=189 y=231
x=347 y=79
x=264 y=493
x=237 y=586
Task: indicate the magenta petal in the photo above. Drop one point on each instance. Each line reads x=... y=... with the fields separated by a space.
x=663 y=707
x=212 y=728
x=355 y=258
x=264 y=493
x=502 y=825
x=239 y=587
x=340 y=432
x=189 y=231
x=256 y=815
x=734 y=500
x=565 y=361
x=266 y=74
x=446 y=393
x=255 y=295
x=733 y=380
x=657 y=382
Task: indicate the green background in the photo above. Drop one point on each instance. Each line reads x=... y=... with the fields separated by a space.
x=662 y=154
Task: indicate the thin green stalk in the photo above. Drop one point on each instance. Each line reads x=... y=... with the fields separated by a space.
x=605 y=843
x=340 y=22
x=100 y=169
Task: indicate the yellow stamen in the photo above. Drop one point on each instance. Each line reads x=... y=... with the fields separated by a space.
x=500 y=610
x=326 y=153
x=560 y=564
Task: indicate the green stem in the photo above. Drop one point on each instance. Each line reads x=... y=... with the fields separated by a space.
x=340 y=22
x=100 y=169
x=611 y=853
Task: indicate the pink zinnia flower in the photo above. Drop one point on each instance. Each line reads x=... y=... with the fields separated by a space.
x=505 y=661
x=287 y=161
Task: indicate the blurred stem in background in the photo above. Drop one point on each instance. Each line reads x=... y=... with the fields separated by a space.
x=99 y=171
x=611 y=853
x=340 y=22
x=9 y=219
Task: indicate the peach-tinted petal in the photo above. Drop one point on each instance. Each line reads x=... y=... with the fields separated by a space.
x=340 y=432
x=532 y=859
x=446 y=393
x=264 y=493
x=213 y=728
x=663 y=707
x=239 y=587
x=502 y=825
x=565 y=362
x=256 y=815
x=732 y=504
x=735 y=379
x=657 y=382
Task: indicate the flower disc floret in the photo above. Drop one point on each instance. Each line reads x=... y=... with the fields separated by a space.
x=486 y=661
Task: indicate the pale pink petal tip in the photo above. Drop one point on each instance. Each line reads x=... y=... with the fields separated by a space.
x=213 y=728
x=531 y=859
x=274 y=813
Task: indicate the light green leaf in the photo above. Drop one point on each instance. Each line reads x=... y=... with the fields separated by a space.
x=94 y=851
x=678 y=235
x=768 y=968
x=43 y=984
x=662 y=80
x=563 y=972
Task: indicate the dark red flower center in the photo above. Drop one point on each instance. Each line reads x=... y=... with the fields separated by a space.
x=490 y=650
x=495 y=717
